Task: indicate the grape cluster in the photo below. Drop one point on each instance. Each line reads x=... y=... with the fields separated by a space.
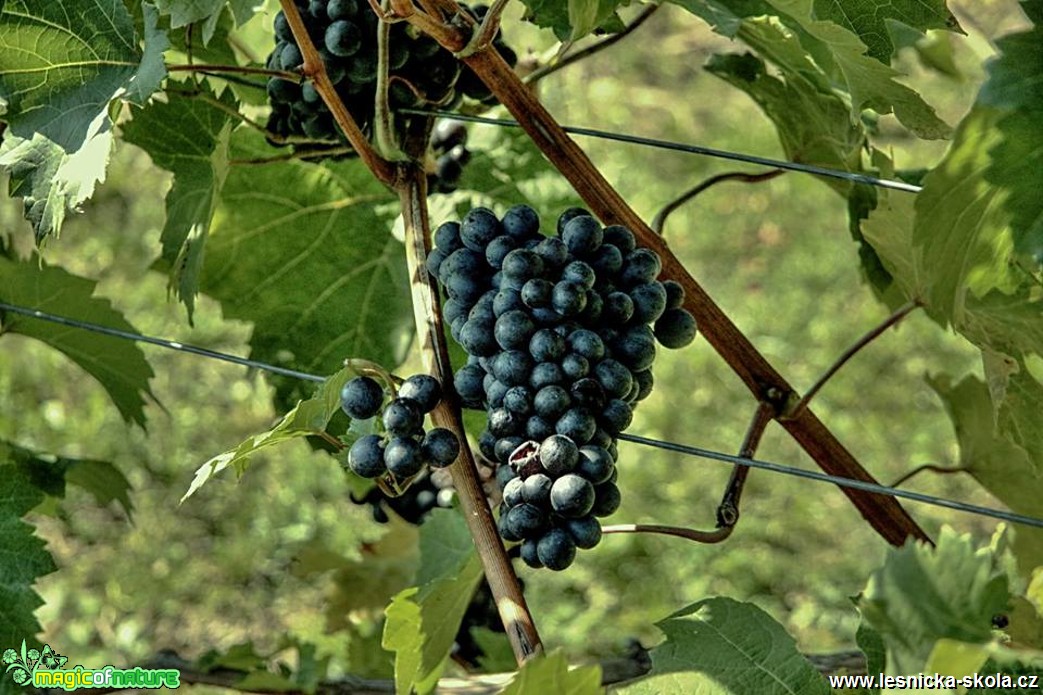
x=560 y=333
x=449 y=145
x=345 y=32
x=403 y=448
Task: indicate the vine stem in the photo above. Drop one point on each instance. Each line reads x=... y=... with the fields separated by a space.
x=503 y=582
x=933 y=468
x=660 y=219
x=846 y=356
x=314 y=68
x=884 y=514
x=234 y=70
x=728 y=510
x=690 y=534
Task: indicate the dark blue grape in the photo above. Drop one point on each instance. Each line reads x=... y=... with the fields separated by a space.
x=518 y=400
x=546 y=374
x=586 y=343
x=674 y=294
x=506 y=446
x=512 y=493
x=587 y=392
x=537 y=293
x=568 y=299
x=546 y=346
x=606 y=261
x=343 y=39
x=614 y=378
x=556 y=549
x=513 y=330
x=361 y=397
x=552 y=251
x=538 y=429
x=595 y=464
x=572 y=496
x=507 y=300
x=402 y=457
x=620 y=237
x=522 y=265
x=447 y=237
x=477 y=338
x=341 y=9
x=424 y=389
x=536 y=489
x=578 y=424
x=530 y=554
x=575 y=366
x=635 y=348
x=585 y=531
x=618 y=309
x=582 y=235
x=468 y=383
x=643 y=381
x=479 y=227
x=521 y=222
x=526 y=520
x=567 y=216
x=579 y=273
x=558 y=455
x=513 y=367
x=498 y=249
x=440 y=447
x=551 y=402
x=366 y=456
x=640 y=266
x=616 y=416
x=675 y=329
x=606 y=499
x=402 y=417
x=649 y=301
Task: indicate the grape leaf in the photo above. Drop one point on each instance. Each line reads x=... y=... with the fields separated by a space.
x=183 y=12
x=1014 y=88
x=309 y=417
x=720 y=645
x=305 y=252
x=871 y=20
x=999 y=464
x=813 y=125
x=551 y=674
x=23 y=557
x=63 y=61
x=50 y=473
x=118 y=365
x=573 y=19
x=872 y=646
x=52 y=182
x=870 y=83
x=189 y=136
x=422 y=621
x=924 y=594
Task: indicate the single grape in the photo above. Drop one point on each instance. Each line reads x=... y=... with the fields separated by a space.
x=606 y=499
x=649 y=301
x=674 y=294
x=403 y=457
x=578 y=424
x=423 y=389
x=513 y=330
x=546 y=346
x=640 y=266
x=536 y=489
x=526 y=520
x=616 y=416
x=558 y=455
x=675 y=329
x=556 y=550
x=595 y=464
x=402 y=417
x=479 y=227
x=546 y=374
x=440 y=447
x=366 y=456
x=620 y=237
x=584 y=531
x=568 y=299
x=343 y=39
x=538 y=429
x=567 y=216
x=361 y=397
x=530 y=554
x=551 y=402
x=521 y=222
x=497 y=250
x=512 y=493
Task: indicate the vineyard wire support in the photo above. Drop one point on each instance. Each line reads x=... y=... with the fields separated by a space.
x=499 y=572
x=884 y=514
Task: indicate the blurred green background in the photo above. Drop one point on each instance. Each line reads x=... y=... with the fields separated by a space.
x=259 y=560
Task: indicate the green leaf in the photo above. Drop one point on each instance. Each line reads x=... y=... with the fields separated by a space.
x=23 y=557
x=923 y=594
x=422 y=621
x=307 y=418
x=889 y=230
x=305 y=253
x=189 y=136
x=872 y=646
x=720 y=645
x=870 y=83
x=183 y=12
x=50 y=473
x=1002 y=467
x=1014 y=88
x=871 y=21
x=65 y=60
x=583 y=17
x=118 y=365
x=573 y=19
x=51 y=181
x=551 y=674
x=813 y=125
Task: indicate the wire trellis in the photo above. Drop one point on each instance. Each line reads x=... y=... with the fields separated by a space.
x=684 y=449
x=690 y=149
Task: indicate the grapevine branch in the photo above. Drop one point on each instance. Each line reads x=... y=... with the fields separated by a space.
x=884 y=514
x=728 y=510
x=933 y=468
x=315 y=69
x=660 y=219
x=510 y=602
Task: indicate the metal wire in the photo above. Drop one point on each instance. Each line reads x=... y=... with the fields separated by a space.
x=633 y=438
x=690 y=149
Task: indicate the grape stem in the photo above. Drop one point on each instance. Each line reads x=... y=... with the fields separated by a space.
x=234 y=70
x=899 y=314
x=660 y=219
x=383 y=130
x=314 y=68
x=932 y=467
x=510 y=601
x=487 y=30
x=884 y=514
x=728 y=509
x=715 y=536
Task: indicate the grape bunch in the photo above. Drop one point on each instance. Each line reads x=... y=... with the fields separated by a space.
x=403 y=448
x=561 y=334
x=345 y=32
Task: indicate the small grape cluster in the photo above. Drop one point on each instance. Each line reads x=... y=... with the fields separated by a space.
x=345 y=32
x=561 y=335
x=404 y=447
x=449 y=145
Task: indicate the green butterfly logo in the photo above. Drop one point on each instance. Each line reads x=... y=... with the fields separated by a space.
x=23 y=665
